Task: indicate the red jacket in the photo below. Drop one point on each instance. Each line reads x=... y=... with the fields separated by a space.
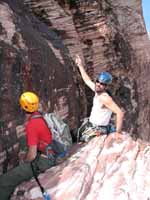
x=38 y=133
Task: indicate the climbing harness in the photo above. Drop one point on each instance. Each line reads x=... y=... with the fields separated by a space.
x=58 y=148
x=87 y=130
x=46 y=196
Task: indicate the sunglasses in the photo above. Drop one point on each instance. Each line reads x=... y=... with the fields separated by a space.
x=104 y=84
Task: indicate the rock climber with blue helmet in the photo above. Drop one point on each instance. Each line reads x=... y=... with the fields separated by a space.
x=103 y=103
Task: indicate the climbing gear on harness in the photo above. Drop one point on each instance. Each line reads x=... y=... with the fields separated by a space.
x=58 y=148
x=93 y=131
x=88 y=130
x=29 y=101
x=104 y=78
x=46 y=196
x=50 y=153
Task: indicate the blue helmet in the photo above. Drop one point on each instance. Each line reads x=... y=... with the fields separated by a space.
x=105 y=78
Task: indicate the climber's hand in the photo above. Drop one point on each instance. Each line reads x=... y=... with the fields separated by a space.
x=117 y=135
x=78 y=61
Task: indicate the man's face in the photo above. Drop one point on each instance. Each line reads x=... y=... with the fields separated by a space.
x=99 y=87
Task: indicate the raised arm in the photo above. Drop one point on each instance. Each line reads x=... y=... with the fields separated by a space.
x=84 y=74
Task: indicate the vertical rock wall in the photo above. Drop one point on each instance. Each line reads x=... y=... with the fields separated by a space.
x=114 y=38
x=109 y=36
x=33 y=57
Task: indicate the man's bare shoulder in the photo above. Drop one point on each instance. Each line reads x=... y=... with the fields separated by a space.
x=105 y=97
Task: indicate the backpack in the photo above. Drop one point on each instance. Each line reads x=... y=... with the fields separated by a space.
x=60 y=130
x=61 y=137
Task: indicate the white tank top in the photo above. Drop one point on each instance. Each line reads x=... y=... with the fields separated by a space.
x=99 y=115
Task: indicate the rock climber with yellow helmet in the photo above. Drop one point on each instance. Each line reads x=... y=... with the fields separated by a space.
x=38 y=136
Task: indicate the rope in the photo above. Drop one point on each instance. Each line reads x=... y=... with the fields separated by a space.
x=46 y=196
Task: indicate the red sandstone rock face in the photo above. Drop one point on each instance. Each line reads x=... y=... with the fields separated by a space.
x=33 y=57
x=110 y=36
x=37 y=48
x=102 y=169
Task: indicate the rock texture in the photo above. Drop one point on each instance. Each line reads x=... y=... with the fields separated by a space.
x=104 y=168
x=33 y=57
x=38 y=41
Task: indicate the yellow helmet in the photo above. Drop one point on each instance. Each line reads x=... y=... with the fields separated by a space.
x=29 y=101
